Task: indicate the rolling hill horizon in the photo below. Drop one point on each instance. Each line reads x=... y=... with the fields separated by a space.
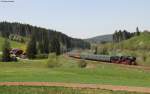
x=101 y=38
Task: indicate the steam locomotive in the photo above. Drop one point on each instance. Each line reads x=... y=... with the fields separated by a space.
x=127 y=60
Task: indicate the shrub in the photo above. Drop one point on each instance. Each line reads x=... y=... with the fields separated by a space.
x=104 y=51
x=53 y=61
x=42 y=56
x=82 y=63
x=5 y=52
x=16 y=38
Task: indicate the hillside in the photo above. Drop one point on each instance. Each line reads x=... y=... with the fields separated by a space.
x=137 y=46
x=43 y=36
x=13 y=44
x=138 y=42
x=100 y=39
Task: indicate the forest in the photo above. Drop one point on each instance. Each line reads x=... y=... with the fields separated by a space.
x=46 y=40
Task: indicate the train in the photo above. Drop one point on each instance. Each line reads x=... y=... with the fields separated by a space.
x=127 y=60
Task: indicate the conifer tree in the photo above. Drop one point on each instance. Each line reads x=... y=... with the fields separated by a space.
x=43 y=35
x=41 y=47
x=6 y=51
x=31 y=48
x=46 y=44
x=55 y=46
x=137 y=31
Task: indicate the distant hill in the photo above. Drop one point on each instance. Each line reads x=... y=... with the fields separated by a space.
x=100 y=39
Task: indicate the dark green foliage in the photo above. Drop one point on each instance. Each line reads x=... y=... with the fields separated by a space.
x=124 y=35
x=137 y=31
x=55 y=46
x=6 y=51
x=43 y=36
x=41 y=47
x=119 y=36
x=46 y=44
x=43 y=42
x=78 y=43
x=31 y=48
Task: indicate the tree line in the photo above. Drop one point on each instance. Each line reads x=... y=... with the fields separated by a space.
x=44 y=40
x=124 y=35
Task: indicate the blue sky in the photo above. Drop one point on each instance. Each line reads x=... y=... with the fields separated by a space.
x=80 y=18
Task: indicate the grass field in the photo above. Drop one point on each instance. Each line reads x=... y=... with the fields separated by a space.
x=13 y=44
x=98 y=73
x=56 y=90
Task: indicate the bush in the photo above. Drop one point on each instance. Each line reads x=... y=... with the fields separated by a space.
x=53 y=61
x=6 y=51
x=104 y=51
x=16 y=38
x=42 y=56
x=82 y=63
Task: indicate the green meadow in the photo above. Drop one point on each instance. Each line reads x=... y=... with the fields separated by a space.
x=68 y=71
x=13 y=44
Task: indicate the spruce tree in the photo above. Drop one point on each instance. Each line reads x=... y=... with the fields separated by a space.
x=137 y=31
x=41 y=47
x=31 y=48
x=6 y=51
x=46 y=44
x=55 y=46
x=42 y=35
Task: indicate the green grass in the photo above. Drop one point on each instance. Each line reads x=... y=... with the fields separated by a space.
x=138 y=42
x=56 y=90
x=13 y=44
x=98 y=73
x=137 y=46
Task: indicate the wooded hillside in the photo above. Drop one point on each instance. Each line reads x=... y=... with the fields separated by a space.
x=22 y=33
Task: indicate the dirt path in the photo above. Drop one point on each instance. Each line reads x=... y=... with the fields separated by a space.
x=76 y=85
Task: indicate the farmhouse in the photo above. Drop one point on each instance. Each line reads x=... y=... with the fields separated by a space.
x=16 y=51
